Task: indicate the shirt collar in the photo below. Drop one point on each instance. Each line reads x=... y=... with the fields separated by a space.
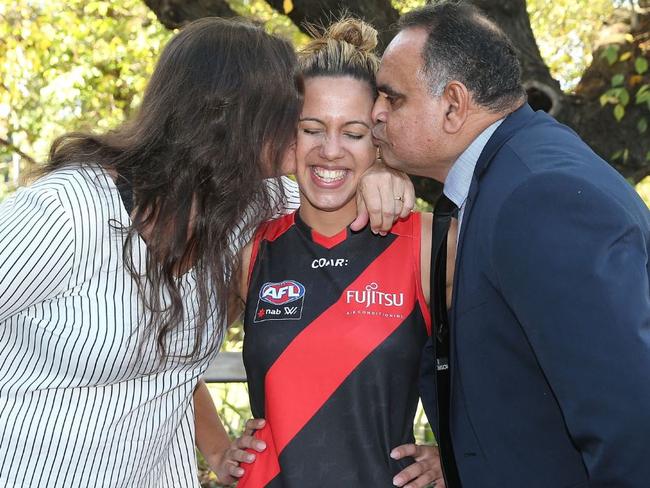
x=460 y=175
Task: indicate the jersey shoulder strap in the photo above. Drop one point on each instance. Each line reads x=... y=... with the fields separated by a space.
x=269 y=231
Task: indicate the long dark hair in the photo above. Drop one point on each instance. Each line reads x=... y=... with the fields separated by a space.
x=217 y=117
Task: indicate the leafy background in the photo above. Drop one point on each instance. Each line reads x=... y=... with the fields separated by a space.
x=83 y=65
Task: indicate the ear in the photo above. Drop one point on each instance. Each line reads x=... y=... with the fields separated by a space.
x=457 y=100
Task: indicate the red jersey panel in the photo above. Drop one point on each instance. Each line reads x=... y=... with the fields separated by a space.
x=334 y=330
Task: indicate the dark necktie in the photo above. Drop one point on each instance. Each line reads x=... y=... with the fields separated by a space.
x=443 y=212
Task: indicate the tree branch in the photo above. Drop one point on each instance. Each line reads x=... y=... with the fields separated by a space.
x=380 y=13
x=175 y=13
x=17 y=150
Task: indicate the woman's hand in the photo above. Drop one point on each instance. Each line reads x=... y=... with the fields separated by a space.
x=425 y=470
x=383 y=196
x=228 y=464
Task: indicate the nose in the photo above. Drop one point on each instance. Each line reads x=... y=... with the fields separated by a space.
x=331 y=147
x=379 y=110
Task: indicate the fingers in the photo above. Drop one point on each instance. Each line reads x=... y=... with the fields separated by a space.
x=252 y=425
x=233 y=472
x=425 y=470
x=362 y=215
x=387 y=195
x=404 y=450
x=408 y=194
x=391 y=203
x=240 y=456
x=417 y=475
x=249 y=442
x=399 y=187
x=374 y=199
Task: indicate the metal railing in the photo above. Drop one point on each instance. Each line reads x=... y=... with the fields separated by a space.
x=228 y=367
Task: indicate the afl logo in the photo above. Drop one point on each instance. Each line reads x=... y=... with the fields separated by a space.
x=281 y=293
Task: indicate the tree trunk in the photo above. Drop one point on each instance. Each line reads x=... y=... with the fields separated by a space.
x=581 y=111
x=380 y=13
x=174 y=13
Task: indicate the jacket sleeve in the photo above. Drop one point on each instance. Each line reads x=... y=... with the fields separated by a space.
x=572 y=263
x=36 y=249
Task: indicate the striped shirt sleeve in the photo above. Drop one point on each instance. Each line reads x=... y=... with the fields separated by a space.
x=36 y=249
x=285 y=195
x=292 y=195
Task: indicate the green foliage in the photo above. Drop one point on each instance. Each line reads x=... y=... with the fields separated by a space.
x=403 y=6
x=565 y=31
x=643 y=186
x=274 y=22
x=70 y=65
x=631 y=82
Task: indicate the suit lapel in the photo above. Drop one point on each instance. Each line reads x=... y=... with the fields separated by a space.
x=513 y=123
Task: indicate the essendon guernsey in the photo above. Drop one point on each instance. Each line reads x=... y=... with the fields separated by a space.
x=334 y=328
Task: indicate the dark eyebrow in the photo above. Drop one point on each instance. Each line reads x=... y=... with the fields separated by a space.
x=388 y=91
x=314 y=119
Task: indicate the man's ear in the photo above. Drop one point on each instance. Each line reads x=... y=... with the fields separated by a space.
x=457 y=100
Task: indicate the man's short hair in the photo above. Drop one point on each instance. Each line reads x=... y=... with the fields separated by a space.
x=464 y=45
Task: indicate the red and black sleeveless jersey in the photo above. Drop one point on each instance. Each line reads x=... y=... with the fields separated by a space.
x=334 y=329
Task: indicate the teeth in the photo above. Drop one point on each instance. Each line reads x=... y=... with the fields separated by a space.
x=329 y=175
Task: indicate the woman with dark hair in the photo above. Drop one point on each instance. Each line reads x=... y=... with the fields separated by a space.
x=116 y=265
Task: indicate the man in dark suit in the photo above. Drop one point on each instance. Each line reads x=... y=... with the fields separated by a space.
x=549 y=325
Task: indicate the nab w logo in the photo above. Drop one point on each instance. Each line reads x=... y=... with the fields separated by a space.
x=281 y=293
x=280 y=301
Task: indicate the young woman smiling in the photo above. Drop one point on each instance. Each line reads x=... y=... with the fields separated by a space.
x=335 y=320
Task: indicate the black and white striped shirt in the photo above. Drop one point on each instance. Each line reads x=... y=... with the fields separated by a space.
x=78 y=405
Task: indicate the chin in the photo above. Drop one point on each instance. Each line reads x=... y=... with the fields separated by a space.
x=329 y=206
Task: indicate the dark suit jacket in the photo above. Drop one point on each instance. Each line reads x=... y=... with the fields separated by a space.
x=550 y=318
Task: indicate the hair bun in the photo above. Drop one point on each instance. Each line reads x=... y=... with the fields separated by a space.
x=353 y=31
x=346 y=47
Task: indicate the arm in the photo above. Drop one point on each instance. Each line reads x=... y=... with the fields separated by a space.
x=572 y=264
x=376 y=198
x=211 y=437
x=36 y=249
x=223 y=455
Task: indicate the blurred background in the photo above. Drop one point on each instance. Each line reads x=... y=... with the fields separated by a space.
x=83 y=65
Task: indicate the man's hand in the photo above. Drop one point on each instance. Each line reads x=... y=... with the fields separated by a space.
x=227 y=465
x=425 y=470
x=383 y=196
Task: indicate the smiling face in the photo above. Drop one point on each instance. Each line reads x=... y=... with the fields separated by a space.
x=334 y=145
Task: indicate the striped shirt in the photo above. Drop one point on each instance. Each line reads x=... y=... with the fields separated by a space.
x=460 y=175
x=80 y=405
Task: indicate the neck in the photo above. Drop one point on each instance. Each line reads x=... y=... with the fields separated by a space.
x=477 y=121
x=328 y=223
x=440 y=171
